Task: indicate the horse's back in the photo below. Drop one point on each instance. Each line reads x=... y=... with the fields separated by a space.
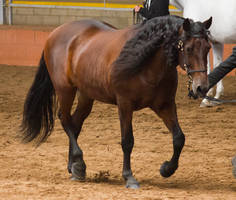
x=64 y=33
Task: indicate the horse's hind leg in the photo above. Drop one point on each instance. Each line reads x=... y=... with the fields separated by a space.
x=82 y=111
x=77 y=165
x=169 y=116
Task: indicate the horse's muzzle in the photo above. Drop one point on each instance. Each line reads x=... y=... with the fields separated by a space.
x=201 y=91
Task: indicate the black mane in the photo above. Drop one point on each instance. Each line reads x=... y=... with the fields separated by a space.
x=151 y=35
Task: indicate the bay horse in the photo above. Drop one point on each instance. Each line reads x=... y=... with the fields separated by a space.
x=223 y=29
x=133 y=68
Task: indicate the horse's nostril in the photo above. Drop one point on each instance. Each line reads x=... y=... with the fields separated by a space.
x=201 y=91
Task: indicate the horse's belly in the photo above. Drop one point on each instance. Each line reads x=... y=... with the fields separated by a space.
x=99 y=94
x=92 y=76
x=96 y=88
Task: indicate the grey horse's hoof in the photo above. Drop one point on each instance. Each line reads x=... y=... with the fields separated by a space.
x=208 y=103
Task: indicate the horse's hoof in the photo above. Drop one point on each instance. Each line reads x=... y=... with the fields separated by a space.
x=205 y=103
x=69 y=167
x=166 y=171
x=208 y=103
x=76 y=178
x=132 y=183
x=78 y=171
x=133 y=186
x=234 y=166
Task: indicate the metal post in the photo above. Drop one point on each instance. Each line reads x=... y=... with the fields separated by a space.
x=1 y=11
x=10 y=12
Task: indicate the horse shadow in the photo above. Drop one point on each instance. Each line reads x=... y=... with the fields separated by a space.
x=163 y=183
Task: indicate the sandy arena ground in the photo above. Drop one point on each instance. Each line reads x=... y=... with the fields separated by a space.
x=205 y=170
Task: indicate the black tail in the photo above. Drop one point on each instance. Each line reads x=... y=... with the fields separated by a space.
x=38 y=114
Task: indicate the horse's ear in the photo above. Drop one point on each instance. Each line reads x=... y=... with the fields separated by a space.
x=186 y=25
x=207 y=23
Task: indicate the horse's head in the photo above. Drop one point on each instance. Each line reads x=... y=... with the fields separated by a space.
x=193 y=48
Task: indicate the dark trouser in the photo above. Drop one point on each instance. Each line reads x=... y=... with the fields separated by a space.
x=224 y=68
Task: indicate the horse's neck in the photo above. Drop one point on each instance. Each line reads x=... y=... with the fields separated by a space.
x=156 y=68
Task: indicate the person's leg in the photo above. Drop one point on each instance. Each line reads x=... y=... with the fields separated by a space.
x=224 y=68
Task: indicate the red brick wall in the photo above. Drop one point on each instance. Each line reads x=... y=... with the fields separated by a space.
x=23 y=47
x=227 y=52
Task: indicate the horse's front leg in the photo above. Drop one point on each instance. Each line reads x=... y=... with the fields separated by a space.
x=168 y=114
x=127 y=142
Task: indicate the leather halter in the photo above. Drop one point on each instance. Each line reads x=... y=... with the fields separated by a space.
x=187 y=68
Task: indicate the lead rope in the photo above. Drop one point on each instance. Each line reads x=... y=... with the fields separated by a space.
x=190 y=92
